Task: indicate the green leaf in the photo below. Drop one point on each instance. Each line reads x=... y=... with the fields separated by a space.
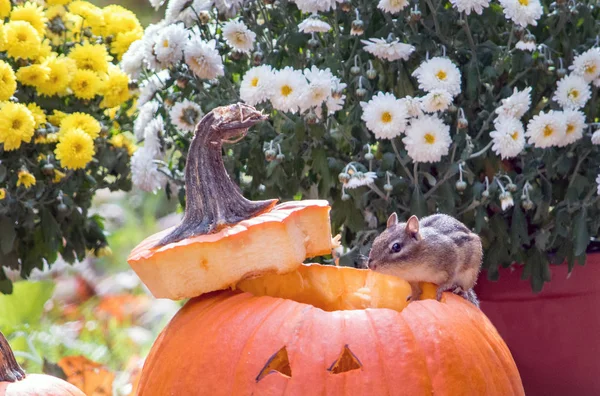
x=518 y=230
x=7 y=234
x=25 y=305
x=581 y=237
x=418 y=206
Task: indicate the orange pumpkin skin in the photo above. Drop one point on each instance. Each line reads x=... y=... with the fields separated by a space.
x=39 y=385
x=219 y=344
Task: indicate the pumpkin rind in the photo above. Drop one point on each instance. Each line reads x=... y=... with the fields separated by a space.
x=39 y=385
x=279 y=240
x=219 y=343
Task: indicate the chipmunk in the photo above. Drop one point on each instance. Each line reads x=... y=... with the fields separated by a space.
x=438 y=249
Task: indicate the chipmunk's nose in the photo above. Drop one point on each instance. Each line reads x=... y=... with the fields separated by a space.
x=371 y=265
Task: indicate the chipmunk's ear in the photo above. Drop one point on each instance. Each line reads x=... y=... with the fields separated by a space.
x=392 y=220
x=412 y=227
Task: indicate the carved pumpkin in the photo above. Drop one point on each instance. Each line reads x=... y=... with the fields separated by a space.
x=221 y=228
x=14 y=382
x=237 y=343
x=294 y=329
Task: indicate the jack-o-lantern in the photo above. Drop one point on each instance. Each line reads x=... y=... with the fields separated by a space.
x=14 y=382
x=301 y=329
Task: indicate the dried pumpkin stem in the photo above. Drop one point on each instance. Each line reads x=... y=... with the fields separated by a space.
x=10 y=371
x=213 y=201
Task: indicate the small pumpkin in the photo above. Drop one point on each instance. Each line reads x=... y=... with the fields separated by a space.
x=329 y=330
x=221 y=229
x=14 y=382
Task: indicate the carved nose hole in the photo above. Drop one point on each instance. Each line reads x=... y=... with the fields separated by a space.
x=346 y=362
x=278 y=363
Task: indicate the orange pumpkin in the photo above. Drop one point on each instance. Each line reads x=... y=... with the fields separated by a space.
x=239 y=343
x=14 y=382
x=221 y=228
x=293 y=329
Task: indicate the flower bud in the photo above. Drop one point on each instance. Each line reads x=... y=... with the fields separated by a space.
x=369 y=156
x=462 y=123
x=355 y=70
x=343 y=177
x=357 y=28
x=270 y=155
x=280 y=157
x=371 y=74
x=361 y=92
x=345 y=197
x=387 y=187
x=461 y=185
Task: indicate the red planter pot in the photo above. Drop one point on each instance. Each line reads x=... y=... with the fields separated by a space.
x=554 y=336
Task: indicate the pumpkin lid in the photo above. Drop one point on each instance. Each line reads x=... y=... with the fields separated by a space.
x=10 y=371
x=223 y=237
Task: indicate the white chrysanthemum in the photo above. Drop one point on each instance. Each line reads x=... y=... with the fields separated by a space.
x=151 y=86
x=133 y=60
x=186 y=11
x=587 y=64
x=287 y=89
x=546 y=129
x=156 y=4
x=413 y=106
x=320 y=84
x=313 y=24
x=185 y=115
x=436 y=100
x=203 y=59
x=336 y=100
x=427 y=139
x=468 y=6
x=168 y=44
x=384 y=115
x=392 y=50
x=572 y=92
x=392 y=6
x=312 y=6
x=228 y=8
x=508 y=138
x=359 y=179
x=597 y=83
x=506 y=200
x=516 y=105
x=144 y=172
x=596 y=137
x=526 y=45
x=575 y=120
x=256 y=85
x=238 y=36
x=438 y=73
x=146 y=113
x=153 y=132
x=522 y=12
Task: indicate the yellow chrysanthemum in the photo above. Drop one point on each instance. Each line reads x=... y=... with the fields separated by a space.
x=57 y=2
x=33 y=75
x=116 y=88
x=61 y=71
x=91 y=57
x=82 y=121
x=112 y=112
x=8 y=81
x=16 y=125
x=86 y=84
x=21 y=40
x=45 y=51
x=121 y=43
x=46 y=139
x=119 y=20
x=56 y=117
x=92 y=15
x=2 y=40
x=58 y=176
x=4 y=8
x=25 y=179
x=124 y=140
x=2 y=193
x=32 y=13
x=38 y=114
x=75 y=149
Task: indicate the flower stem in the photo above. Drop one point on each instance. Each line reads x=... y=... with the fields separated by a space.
x=410 y=176
x=482 y=151
x=374 y=188
x=436 y=24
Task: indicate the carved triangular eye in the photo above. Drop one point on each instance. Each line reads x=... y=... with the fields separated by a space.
x=278 y=363
x=346 y=362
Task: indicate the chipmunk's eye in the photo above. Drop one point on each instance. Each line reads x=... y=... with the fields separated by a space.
x=396 y=247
